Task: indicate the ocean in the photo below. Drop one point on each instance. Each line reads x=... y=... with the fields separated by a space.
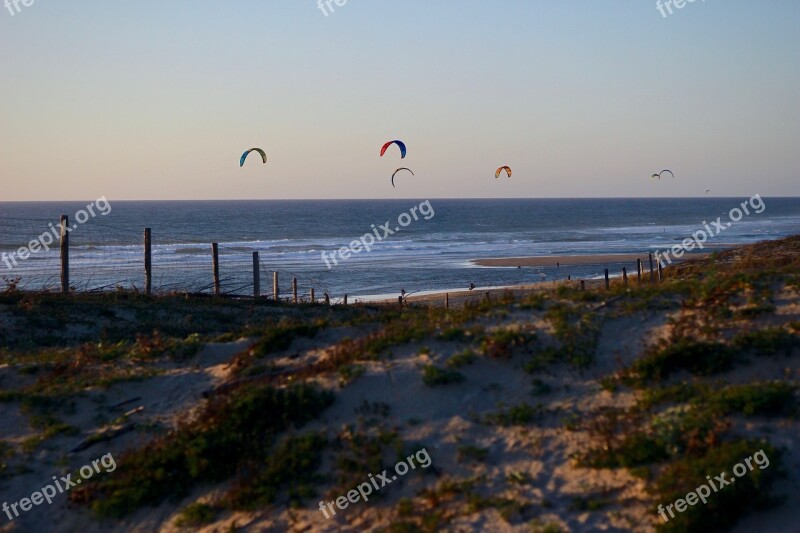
x=106 y=251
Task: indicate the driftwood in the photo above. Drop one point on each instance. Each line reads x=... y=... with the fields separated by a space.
x=126 y=402
x=134 y=411
x=109 y=433
x=104 y=436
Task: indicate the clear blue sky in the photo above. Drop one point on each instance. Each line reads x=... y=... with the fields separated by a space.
x=157 y=100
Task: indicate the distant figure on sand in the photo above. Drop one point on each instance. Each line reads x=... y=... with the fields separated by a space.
x=471 y=286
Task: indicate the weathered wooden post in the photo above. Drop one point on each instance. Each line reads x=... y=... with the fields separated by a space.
x=64 y=254
x=215 y=264
x=327 y=299
x=583 y=285
x=660 y=272
x=447 y=301
x=652 y=270
x=276 y=291
x=313 y=299
x=256 y=276
x=608 y=285
x=639 y=270
x=294 y=290
x=148 y=262
x=345 y=299
x=625 y=276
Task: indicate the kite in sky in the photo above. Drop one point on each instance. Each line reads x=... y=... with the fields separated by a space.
x=658 y=176
x=500 y=171
x=398 y=170
x=400 y=144
x=259 y=150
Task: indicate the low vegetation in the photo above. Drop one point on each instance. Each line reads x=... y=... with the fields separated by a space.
x=653 y=423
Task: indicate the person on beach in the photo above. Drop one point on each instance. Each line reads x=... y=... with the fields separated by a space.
x=471 y=286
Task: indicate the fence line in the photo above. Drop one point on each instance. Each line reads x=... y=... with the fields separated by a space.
x=230 y=286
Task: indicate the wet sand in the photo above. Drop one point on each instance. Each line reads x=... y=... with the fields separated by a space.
x=571 y=260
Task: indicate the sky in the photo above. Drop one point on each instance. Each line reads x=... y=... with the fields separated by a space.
x=155 y=100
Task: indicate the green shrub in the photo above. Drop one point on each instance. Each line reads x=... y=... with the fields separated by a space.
x=349 y=373
x=635 y=450
x=292 y=464
x=543 y=358
x=698 y=358
x=280 y=337
x=583 y=505
x=467 y=357
x=433 y=376
x=767 y=399
x=518 y=415
x=676 y=394
x=627 y=439
x=233 y=431
x=196 y=515
x=540 y=388
x=769 y=341
x=452 y=334
x=725 y=506
x=500 y=343
x=472 y=453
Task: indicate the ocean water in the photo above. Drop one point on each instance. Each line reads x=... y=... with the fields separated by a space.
x=106 y=251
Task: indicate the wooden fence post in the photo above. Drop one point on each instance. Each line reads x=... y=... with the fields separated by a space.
x=327 y=299
x=625 y=276
x=447 y=301
x=652 y=270
x=276 y=291
x=294 y=290
x=345 y=299
x=215 y=264
x=64 y=254
x=313 y=298
x=583 y=285
x=148 y=262
x=256 y=276
x=607 y=282
x=639 y=270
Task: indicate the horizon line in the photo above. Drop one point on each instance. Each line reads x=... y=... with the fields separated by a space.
x=788 y=197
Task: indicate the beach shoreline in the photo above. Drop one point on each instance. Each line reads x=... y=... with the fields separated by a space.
x=571 y=260
x=461 y=295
